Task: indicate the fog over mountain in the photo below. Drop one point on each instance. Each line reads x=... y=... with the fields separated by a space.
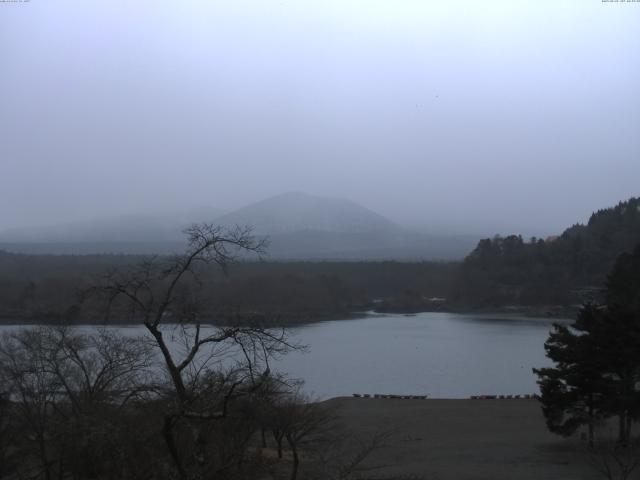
x=302 y=226
x=297 y=211
x=125 y=228
x=281 y=214
x=447 y=116
x=298 y=225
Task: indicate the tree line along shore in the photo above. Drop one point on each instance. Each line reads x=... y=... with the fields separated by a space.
x=544 y=277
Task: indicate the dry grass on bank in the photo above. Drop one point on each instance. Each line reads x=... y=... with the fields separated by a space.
x=465 y=440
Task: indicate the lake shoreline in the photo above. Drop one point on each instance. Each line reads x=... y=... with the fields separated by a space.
x=542 y=312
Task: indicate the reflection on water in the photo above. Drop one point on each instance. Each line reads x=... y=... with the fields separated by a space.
x=444 y=355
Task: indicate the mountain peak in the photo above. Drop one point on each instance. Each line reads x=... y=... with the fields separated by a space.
x=298 y=211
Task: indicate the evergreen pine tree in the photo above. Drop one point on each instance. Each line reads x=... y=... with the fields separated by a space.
x=573 y=392
x=597 y=359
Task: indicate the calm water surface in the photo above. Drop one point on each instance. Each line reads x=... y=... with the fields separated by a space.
x=444 y=355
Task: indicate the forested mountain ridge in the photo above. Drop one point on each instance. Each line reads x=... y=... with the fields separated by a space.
x=499 y=273
x=562 y=270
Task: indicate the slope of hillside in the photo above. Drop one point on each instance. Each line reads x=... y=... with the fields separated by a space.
x=301 y=226
x=294 y=212
x=564 y=270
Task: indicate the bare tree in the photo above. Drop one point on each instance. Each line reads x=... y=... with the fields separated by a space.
x=338 y=454
x=614 y=460
x=100 y=367
x=294 y=418
x=307 y=419
x=32 y=389
x=6 y=433
x=67 y=391
x=207 y=366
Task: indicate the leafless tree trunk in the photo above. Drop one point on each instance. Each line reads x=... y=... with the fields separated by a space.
x=159 y=293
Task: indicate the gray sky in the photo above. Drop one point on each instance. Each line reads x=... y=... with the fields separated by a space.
x=442 y=113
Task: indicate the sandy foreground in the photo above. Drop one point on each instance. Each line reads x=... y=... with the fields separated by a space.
x=465 y=439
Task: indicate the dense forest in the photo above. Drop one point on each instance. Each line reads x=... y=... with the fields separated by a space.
x=50 y=288
x=501 y=272
x=564 y=270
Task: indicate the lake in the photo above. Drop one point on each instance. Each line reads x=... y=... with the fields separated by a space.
x=443 y=355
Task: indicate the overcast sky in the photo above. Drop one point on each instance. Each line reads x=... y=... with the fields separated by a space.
x=458 y=114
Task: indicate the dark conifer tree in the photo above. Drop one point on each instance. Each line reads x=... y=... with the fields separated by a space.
x=622 y=339
x=573 y=392
x=597 y=359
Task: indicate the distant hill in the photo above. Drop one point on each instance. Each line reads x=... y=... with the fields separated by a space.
x=570 y=268
x=295 y=212
x=299 y=227
x=302 y=226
